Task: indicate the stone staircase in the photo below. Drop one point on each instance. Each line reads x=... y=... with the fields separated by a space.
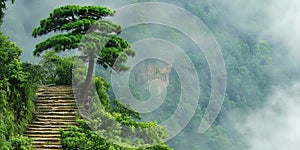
x=55 y=109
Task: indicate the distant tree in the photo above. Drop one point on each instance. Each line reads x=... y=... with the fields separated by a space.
x=57 y=69
x=2 y=8
x=85 y=28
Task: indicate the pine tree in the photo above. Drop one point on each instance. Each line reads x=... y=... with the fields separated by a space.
x=85 y=28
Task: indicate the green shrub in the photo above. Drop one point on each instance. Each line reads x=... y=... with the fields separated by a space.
x=20 y=142
x=58 y=70
x=17 y=90
x=111 y=135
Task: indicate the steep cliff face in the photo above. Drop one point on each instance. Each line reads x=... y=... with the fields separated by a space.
x=153 y=70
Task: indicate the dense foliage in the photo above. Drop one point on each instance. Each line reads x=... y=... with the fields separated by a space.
x=21 y=143
x=16 y=94
x=114 y=124
x=2 y=8
x=88 y=31
x=247 y=59
x=57 y=70
x=106 y=126
x=83 y=138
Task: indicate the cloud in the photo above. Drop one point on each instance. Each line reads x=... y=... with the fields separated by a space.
x=284 y=27
x=276 y=126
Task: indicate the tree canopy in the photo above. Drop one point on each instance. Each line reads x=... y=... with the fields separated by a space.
x=85 y=28
x=74 y=22
x=2 y=8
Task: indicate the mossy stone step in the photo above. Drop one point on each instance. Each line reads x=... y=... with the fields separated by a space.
x=41 y=132
x=56 y=120
x=52 y=146
x=55 y=101
x=56 y=116
x=43 y=135
x=56 y=104
x=47 y=126
x=53 y=123
x=46 y=142
x=59 y=113
x=56 y=109
x=45 y=129
x=46 y=139
x=61 y=107
x=54 y=97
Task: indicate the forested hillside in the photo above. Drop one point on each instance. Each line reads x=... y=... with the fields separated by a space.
x=248 y=58
x=257 y=40
x=17 y=90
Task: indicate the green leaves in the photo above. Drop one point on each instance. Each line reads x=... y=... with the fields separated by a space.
x=71 y=17
x=113 y=125
x=2 y=8
x=87 y=30
x=94 y=12
x=60 y=42
x=56 y=69
x=16 y=94
x=21 y=143
x=115 y=54
x=78 y=25
x=11 y=70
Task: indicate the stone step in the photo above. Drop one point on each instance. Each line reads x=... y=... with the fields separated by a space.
x=53 y=123
x=43 y=129
x=64 y=117
x=53 y=146
x=55 y=92
x=55 y=101
x=41 y=96
x=63 y=110
x=61 y=107
x=27 y=132
x=47 y=126
x=55 y=104
x=55 y=120
x=46 y=142
x=64 y=113
x=54 y=97
x=56 y=87
x=57 y=112
x=46 y=139
x=34 y=135
x=56 y=109
x=51 y=91
x=44 y=94
x=47 y=149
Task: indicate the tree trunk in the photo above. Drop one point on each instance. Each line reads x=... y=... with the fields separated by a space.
x=88 y=80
